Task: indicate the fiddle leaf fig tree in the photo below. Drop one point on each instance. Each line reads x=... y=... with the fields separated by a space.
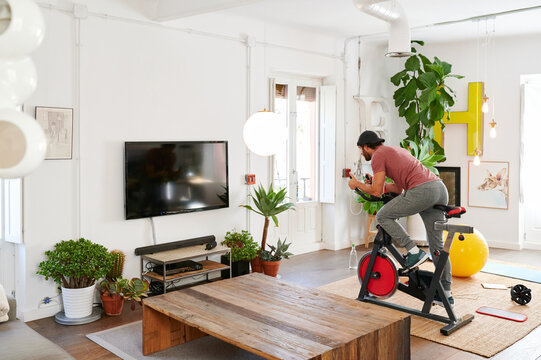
x=422 y=98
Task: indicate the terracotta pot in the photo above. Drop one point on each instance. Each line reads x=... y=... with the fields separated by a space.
x=112 y=304
x=256 y=265
x=271 y=267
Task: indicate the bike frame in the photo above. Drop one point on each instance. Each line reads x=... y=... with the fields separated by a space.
x=383 y=242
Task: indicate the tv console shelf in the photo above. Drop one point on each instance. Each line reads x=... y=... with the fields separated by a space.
x=195 y=252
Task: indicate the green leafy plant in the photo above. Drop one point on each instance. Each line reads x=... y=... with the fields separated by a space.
x=372 y=207
x=422 y=152
x=76 y=264
x=277 y=252
x=134 y=289
x=242 y=245
x=269 y=203
x=422 y=98
x=118 y=264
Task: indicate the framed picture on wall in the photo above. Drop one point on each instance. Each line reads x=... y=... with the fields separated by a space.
x=57 y=123
x=488 y=184
x=450 y=175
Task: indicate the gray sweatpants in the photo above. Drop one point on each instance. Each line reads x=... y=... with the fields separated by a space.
x=418 y=200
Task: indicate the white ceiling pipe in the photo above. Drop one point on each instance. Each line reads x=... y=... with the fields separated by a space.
x=392 y=12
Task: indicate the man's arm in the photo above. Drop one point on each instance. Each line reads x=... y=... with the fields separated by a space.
x=392 y=187
x=376 y=188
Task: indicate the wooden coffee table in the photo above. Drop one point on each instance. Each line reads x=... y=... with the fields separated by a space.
x=276 y=320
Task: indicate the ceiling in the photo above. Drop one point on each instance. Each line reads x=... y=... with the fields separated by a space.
x=340 y=17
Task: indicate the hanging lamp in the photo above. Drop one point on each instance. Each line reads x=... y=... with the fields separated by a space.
x=264 y=133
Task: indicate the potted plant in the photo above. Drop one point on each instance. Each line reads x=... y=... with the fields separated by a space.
x=269 y=203
x=117 y=267
x=111 y=299
x=272 y=259
x=422 y=98
x=113 y=292
x=76 y=265
x=243 y=250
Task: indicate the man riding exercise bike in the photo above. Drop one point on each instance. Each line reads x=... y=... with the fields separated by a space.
x=419 y=191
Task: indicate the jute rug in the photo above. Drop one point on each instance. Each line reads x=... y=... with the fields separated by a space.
x=486 y=335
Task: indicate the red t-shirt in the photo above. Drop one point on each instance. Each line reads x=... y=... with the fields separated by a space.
x=398 y=164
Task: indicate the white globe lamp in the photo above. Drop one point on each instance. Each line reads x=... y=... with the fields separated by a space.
x=18 y=80
x=24 y=29
x=264 y=133
x=22 y=144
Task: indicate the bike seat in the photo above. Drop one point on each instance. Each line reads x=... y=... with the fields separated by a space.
x=451 y=211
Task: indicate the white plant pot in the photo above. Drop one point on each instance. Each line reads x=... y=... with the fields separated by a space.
x=78 y=302
x=416 y=228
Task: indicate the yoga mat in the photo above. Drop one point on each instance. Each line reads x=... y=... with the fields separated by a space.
x=512 y=271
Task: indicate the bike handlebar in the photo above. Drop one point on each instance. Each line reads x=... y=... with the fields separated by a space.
x=386 y=197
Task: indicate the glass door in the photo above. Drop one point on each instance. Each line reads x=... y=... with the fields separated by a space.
x=296 y=164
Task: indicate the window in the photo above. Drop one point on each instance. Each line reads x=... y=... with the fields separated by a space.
x=296 y=164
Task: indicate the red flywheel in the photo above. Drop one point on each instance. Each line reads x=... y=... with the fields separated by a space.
x=384 y=279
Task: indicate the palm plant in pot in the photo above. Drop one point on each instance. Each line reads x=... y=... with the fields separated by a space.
x=243 y=250
x=272 y=259
x=268 y=203
x=76 y=265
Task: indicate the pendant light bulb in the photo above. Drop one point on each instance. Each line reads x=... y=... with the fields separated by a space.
x=476 y=160
x=492 y=132
x=484 y=107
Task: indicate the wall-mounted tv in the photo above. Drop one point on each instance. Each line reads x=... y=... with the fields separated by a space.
x=174 y=177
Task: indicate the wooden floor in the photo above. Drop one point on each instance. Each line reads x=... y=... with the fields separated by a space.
x=311 y=270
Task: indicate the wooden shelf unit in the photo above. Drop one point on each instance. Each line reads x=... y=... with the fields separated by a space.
x=188 y=253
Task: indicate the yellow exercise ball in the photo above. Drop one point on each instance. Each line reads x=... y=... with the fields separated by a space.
x=468 y=256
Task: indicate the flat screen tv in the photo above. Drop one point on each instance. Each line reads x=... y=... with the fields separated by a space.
x=174 y=177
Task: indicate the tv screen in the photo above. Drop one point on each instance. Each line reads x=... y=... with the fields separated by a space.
x=163 y=178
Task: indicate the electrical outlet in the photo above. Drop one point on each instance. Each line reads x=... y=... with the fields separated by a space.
x=250 y=179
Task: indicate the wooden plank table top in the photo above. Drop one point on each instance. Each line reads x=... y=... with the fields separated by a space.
x=277 y=320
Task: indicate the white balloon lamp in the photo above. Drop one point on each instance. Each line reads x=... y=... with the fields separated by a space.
x=25 y=27
x=264 y=133
x=18 y=80
x=22 y=144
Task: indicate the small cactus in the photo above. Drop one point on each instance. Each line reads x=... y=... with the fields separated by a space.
x=118 y=264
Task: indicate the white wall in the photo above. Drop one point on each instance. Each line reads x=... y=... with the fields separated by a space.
x=343 y=227
x=140 y=81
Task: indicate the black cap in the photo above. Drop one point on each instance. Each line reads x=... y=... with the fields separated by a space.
x=369 y=137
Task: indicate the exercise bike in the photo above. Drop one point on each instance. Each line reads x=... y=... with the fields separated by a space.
x=380 y=277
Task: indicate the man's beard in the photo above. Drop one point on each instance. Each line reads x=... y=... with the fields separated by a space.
x=367 y=156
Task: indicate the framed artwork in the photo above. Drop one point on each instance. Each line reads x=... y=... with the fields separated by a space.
x=488 y=184
x=450 y=175
x=57 y=123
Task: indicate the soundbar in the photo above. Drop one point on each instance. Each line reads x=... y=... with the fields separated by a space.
x=209 y=240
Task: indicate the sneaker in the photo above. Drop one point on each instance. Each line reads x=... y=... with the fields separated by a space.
x=438 y=301
x=413 y=260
